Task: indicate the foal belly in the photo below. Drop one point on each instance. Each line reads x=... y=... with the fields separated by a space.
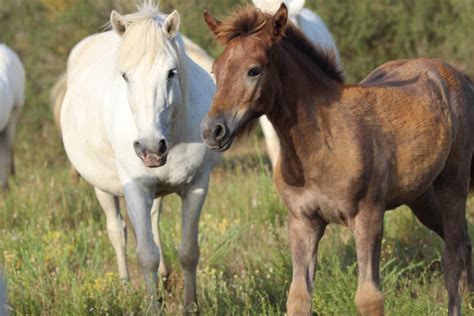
x=312 y=202
x=416 y=168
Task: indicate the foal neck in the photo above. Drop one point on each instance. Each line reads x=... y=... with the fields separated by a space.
x=304 y=95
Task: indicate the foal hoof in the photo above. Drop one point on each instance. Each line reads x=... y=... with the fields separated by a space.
x=369 y=301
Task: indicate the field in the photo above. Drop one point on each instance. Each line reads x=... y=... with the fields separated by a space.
x=54 y=249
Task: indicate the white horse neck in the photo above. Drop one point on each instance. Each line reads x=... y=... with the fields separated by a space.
x=197 y=88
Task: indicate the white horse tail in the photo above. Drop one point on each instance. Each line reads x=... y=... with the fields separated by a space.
x=271 y=6
x=57 y=96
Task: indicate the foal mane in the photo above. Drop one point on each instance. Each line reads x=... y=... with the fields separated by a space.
x=248 y=20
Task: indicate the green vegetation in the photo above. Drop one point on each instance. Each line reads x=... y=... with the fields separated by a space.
x=54 y=247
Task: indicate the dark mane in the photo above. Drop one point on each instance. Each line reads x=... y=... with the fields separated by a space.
x=248 y=20
x=325 y=60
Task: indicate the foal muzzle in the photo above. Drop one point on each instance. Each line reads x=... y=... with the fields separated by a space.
x=216 y=134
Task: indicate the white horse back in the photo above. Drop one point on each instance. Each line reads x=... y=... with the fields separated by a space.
x=198 y=55
x=90 y=50
x=316 y=30
x=271 y=6
x=12 y=84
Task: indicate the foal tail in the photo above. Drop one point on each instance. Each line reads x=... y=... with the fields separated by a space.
x=56 y=98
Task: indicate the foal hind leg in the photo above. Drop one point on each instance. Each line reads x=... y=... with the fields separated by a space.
x=155 y=225
x=456 y=257
x=116 y=229
x=426 y=209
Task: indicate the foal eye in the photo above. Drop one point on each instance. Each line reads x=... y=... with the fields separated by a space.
x=124 y=76
x=254 y=72
x=172 y=73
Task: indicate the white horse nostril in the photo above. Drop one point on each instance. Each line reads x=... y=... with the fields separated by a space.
x=162 y=147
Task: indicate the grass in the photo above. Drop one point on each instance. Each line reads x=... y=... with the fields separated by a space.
x=54 y=248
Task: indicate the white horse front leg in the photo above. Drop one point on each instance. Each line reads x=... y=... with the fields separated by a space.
x=116 y=229
x=192 y=201
x=155 y=224
x=139 y=202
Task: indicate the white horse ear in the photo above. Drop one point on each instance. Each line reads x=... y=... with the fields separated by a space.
x=119 y=24
x=171 y=25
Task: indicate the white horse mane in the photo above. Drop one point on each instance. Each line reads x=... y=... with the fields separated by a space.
x=144 y=37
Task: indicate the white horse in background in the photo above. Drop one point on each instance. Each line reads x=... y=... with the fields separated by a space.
x=130 y=125
x=12 y=98
x=315 y=29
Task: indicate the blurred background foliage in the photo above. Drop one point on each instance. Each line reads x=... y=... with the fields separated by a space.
x=53 y=243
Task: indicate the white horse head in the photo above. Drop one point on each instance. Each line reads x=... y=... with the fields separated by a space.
x=149 y=62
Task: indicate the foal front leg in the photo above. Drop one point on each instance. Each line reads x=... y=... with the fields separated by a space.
x=367 y=227
x=304 y=235
x=193 y=199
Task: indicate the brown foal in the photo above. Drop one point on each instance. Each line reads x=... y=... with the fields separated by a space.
x=349 y=152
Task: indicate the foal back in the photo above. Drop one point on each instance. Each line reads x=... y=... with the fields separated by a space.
x=425 y=112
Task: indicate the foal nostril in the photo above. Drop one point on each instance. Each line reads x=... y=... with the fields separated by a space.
x=162 y=147
x=219 y=131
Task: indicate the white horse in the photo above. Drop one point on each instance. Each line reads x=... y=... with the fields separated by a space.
x=315 y=29
x=3 y=298
x=12 y=98
x=130 y=125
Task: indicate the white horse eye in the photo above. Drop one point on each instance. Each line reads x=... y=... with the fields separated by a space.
x=124 y=76
x=172 y=73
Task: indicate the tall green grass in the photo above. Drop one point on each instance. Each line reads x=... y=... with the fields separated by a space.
x=54 y=248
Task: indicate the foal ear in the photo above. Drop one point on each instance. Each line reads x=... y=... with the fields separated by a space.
x=212 y=23
x=119 y=24
x=171 y=25
x=279 y=21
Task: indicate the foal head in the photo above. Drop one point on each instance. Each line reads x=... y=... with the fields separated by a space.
x=245 y=76
x=149 y=63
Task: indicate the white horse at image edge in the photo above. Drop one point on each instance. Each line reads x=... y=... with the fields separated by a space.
x=130 y=125
x=12 y=98
x=315 y=29
x=3 y=298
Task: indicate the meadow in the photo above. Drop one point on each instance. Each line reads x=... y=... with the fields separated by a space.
x=54 y=249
